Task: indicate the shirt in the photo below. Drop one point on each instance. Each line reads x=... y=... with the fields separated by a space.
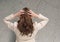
x=37 y=26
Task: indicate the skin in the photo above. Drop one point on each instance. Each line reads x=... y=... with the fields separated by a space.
x=22 y=12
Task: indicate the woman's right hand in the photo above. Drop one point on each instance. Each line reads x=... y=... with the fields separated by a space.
x=33 y=14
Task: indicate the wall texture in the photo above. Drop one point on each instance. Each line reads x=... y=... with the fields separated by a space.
x=49 y=8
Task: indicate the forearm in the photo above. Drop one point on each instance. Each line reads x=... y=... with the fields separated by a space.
x=10 y=17
x=42 y=23
x=40 y=16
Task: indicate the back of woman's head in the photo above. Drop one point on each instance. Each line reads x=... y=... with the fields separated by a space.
x=25 y=24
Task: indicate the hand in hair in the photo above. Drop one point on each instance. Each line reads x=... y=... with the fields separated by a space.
x=19 y=13
x=33 y=14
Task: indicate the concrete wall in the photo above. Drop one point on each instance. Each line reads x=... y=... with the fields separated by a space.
x=49 y=8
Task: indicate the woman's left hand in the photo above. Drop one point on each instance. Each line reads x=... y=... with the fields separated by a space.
x=19 y=13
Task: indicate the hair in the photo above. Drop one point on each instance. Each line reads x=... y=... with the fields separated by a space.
x=25 y=23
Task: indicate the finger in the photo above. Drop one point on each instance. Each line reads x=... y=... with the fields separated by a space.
x=30 y=10
x=21 y=10
x=29 y=14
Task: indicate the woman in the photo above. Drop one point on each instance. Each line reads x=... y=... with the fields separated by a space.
x=25 y=29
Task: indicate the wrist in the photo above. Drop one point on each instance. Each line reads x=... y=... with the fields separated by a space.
x=37 y=15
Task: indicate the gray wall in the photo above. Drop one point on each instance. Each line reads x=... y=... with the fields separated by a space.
x=49 y=8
